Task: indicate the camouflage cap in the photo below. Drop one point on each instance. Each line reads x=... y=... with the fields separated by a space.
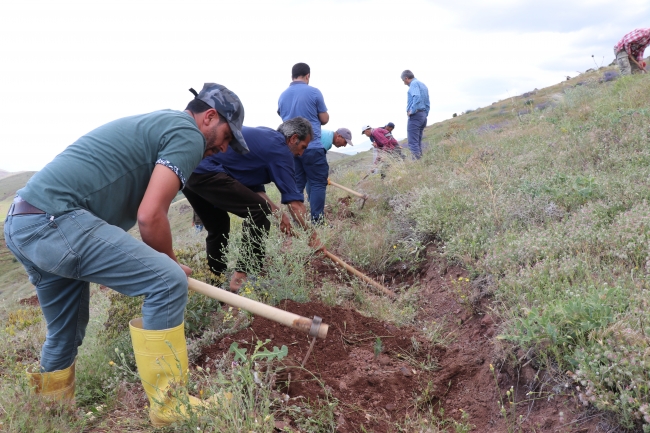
x=229 y=106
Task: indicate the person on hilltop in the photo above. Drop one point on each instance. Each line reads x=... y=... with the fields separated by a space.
x=302 y=100
x=629 y=51
x=68 y=226
x=389 y=127
x=232 y=183
x=383 y=141
x=417 y=110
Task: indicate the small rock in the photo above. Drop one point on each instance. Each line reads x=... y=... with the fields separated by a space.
x=528 y=374
x=342 y=386
x=391 y=328
x=281 y=425
x=391 y=406
x=487 y=321
x=406 y=372
x=609 y=76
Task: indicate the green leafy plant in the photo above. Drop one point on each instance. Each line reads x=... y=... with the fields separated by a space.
x=259 y=352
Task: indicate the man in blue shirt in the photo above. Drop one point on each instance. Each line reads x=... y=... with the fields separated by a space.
x=302 y=100
x=230 y=182
x=417 y=110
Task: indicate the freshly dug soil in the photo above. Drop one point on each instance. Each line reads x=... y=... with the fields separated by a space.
x=31 y=301
x=376 y=392
x=373 y=380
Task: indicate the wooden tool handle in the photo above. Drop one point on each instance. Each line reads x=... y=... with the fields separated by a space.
x=358 y=194
x=359 y=274
x=257 y=308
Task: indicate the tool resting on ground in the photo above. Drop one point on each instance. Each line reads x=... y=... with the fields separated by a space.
x=358 y=194
x=314 y=328
x=359 y=274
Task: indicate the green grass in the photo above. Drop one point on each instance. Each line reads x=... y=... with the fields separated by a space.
x=8 y=187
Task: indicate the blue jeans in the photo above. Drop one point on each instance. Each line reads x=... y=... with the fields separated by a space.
x=414 y=130
x=312 y=171
x=63 y=255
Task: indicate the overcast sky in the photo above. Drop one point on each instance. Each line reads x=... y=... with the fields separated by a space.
x=68 y=67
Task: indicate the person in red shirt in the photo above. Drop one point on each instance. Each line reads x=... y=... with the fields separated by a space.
x=383 y=140
x=629 y=51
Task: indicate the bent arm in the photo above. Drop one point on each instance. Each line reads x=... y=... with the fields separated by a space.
x=299 y=213
x=414 y=98
x=285 y=224
x=380 y=139
x=152 y=213
x=324 y=118
x=274 y=207
x=636 y=62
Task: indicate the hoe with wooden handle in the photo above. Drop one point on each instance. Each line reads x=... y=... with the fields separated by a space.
x=315 y=328
x=360 y=274
x=358 y=194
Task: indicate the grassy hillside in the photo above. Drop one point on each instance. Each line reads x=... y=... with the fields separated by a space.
x=8 y=187
x=541 y=205
x=14 y=284
x=333 y=155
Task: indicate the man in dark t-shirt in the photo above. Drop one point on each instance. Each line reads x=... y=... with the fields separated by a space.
x=68 y=225
x=230 y=182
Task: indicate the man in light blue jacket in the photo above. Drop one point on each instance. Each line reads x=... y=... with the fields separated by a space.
x=417 y=110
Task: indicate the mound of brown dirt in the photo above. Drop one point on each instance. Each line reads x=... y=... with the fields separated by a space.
x=373 y=381
x=31 y=301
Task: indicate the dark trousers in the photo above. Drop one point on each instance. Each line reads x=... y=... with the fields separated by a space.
x=414 y=130
x=212 y=196
x=311 y=174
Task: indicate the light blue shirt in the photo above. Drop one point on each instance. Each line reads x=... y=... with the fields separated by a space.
x=417 y=97
x=326 y=139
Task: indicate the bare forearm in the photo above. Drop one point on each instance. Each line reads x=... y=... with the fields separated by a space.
x=298 y=211
x=323 y=118
x=274 y=207
x=156 y=232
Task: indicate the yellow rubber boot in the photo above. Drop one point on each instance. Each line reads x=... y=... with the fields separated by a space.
x=56 y=385
x=161 y=357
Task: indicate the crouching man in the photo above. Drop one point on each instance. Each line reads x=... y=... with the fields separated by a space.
x=68 y=226
x=231 y=182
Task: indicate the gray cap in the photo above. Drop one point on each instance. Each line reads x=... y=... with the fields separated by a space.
x=345 y=133
x=229 y=106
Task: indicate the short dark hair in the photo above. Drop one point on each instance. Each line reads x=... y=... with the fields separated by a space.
x=197 y=106
x=300 y=70
x=407 y=74
x=297 y=125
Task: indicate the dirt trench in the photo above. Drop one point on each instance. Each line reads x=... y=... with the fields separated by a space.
x=378 y=388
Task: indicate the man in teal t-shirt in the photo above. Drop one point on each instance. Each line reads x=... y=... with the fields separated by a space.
x=339 y=138
x=68 y=225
